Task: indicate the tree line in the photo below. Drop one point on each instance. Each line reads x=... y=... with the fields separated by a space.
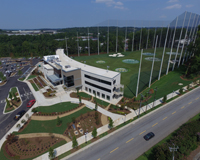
x=46 y=44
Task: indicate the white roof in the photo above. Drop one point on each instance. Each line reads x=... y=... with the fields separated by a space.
x=65 y=60
x=47 y=66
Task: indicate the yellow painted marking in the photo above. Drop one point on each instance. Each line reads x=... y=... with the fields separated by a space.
x=197 y=98
x=190 y=103
x=114 y=149
x=154 y=124
x=174 y=112
x=98 y=159
x=182 y=107
x=142 y=132
x=130 y=140
x=164 y=118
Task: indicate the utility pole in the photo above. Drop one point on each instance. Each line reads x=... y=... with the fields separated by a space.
x=172 y=150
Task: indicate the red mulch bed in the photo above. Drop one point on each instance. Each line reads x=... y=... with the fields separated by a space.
x=29 y=147
x=185 y=79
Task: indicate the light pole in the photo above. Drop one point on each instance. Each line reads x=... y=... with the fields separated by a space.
x=173 y=94
x=86 y=137
x=140 y=104
x=173 y=149
x=125 y=118
x=66 y=45
x=98 y=40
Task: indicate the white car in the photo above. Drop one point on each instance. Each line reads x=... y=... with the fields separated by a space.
x=0 y=81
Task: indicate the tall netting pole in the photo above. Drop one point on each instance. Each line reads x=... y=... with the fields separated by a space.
x=138 y=82
x=163 y=53
x=88 y=43
x=147 y=38
x=116 y=36
x=98 y=39
x=154 y=37
x=153 y=62
x=108 y=39
x=171 y=47
x=133 y=39
x=161 y=36
x=78 y=44
x=184 y=43
x=170 y=37
x=179 y=42
x=190 y=37
x=66 y=46
x=125 y=39
x=140 y=38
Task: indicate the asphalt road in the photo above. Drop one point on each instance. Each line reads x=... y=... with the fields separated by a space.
x=6 y=120
x=128 y=144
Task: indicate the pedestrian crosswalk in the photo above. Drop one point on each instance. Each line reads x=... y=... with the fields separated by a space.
x=22 y=95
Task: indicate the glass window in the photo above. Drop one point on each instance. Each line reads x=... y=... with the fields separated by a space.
x=99 y=87
x=98 y=94
x=69 y=81
x=89 y=90
x=103 y=95
x=94 y=92
x=114 y=81
x=86 y=88
x=108 y=97
x=98 y=80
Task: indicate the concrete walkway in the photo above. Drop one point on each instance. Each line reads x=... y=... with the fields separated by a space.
x=33 y=135
x=47 y=118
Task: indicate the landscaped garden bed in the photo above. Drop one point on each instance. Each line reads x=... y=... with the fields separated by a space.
x=119 y=110
x=56 y=109
x=100 y=102
x=83 y=95
x=41 y=80
x=14 y=100
x=38 y=83
x=82 y=124
x=34 y=85
x=29 y=148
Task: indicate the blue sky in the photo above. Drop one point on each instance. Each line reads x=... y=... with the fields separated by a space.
x=29 y=14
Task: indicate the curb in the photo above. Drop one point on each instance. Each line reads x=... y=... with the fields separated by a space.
x=107 y=136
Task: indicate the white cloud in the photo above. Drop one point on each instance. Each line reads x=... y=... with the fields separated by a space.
x=109 y=3
x=172 y=1
x=177 y=6
x=189 y=6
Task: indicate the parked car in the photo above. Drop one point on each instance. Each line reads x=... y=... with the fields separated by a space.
x=19 y=115
x=149 y=135
x=0 y=81
x=31 y=103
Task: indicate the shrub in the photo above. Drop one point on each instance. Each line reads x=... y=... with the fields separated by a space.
x=164 y=98
x=74 y=143
x=181 y=91
x=51 y=153
x=59 y=121
x=111 y=123
x=23 y=121
x=73 y=119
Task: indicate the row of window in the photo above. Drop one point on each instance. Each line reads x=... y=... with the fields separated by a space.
x=98 y=80
x=97 y=93
x=99 y=87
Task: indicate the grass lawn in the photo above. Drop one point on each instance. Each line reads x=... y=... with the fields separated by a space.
x=129 y=79
x=85 y=95
x=21 y=79
x=34 y=85
x=13 y=90
x=59 y=107
x=50 y=126
x=102 y=102
x=167 y=84
x=31 y=77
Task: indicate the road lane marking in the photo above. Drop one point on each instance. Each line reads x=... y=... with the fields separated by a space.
x=142 y=132
x=164 y=118
x=182 y=107
x=130 y=140
x=114 y=150
x=98 y=159
x=197 y=98
x=154 y=124
x=190 y=103
x=174 y=112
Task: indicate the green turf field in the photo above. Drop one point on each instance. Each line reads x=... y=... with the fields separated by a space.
x=129 y=79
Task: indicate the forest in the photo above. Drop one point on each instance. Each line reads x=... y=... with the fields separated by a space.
x=46 y=44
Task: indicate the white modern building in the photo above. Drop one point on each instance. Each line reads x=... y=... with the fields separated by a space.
x=105 y=84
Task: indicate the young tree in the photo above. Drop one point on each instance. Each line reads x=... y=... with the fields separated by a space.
x=79 y=99
x=8 y=103
x=181 y=91
x=59 y=121
x=164 y=98
x=74 y=143
x=10 y=95
x=111 y=123
x=51 y=153
x=19 y=72
x=15 y=97
x=94 y=132
x=10 y=138
x=96 y=106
